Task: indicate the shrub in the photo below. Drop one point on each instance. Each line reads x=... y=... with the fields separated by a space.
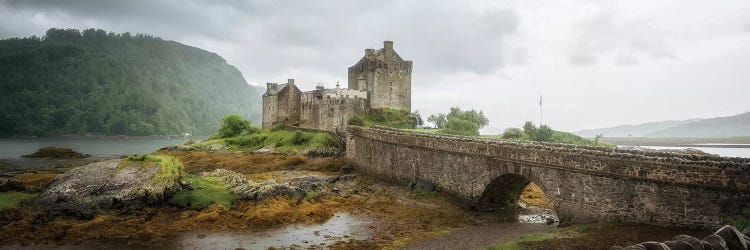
x=234 y=125
x=356 y=121
x=514 y=133
x=298 y=138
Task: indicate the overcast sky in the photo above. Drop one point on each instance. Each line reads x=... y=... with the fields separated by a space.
x=597 y=63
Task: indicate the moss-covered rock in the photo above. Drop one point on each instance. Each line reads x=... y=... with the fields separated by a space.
x=115 y=184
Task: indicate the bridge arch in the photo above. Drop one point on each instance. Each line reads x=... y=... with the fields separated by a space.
x=503 y=191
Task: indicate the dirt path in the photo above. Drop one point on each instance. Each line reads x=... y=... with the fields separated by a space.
x=479 y=237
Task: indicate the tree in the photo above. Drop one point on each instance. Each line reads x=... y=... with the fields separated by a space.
x=460 y=122
x=544 y=133
x=235 y=125
x=514 y=133
x=439 y=120
x=530 y=129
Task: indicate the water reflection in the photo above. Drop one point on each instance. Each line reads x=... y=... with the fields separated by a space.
x=342 y=226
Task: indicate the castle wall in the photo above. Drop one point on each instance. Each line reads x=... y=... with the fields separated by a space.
x=282 y=107
x=329 y=113
x=388 y=83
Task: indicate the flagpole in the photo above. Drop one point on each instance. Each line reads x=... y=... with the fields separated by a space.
x=541 y=111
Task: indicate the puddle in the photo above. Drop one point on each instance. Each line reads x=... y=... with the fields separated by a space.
x=341 y=227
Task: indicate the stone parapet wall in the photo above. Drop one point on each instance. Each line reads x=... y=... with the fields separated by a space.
x=683 y=169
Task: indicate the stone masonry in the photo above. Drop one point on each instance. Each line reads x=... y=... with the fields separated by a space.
x=381 y=79
x=585 y=184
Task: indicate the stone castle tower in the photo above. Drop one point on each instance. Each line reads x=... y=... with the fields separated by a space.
x=381 y=79
x=385 y=76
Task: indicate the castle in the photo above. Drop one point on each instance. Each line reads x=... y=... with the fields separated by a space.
x=381 y=79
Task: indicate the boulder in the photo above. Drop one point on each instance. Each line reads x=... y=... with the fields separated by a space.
x=716 y=242
x=10 y=184
x=679 y=245
x=652 y=245
x=250 y=190
x=113 y=184
x=265 y=150
x=636 y=247
x=734 y=239
x=694 y=242
x=424 y=186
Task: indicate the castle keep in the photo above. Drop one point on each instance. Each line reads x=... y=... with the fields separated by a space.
x=381 y=79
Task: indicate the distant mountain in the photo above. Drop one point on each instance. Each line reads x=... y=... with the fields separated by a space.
x=731 y=126
x=94 y=82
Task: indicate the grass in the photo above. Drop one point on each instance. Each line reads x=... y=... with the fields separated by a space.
x=171 y=169
x=206 y=191
x=13 y=198
x=283 y=141
x=244 y=163
x=389 y=117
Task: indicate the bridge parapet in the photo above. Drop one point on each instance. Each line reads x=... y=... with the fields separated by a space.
x=705 y=171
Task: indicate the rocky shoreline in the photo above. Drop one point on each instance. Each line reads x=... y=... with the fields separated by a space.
x=152 y=200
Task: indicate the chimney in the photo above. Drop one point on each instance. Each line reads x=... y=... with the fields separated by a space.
x=388 y=50
x=290 y=81
x=369 y=52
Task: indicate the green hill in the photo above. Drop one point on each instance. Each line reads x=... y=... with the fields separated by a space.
x=94 y=82
x=730 y=126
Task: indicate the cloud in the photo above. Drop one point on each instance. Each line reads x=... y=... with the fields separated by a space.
x=605 y=35
x=615 y=61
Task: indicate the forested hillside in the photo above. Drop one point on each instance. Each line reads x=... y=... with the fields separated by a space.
x=93 y=82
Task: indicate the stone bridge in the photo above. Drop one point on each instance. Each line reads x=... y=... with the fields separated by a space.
x=584 y=184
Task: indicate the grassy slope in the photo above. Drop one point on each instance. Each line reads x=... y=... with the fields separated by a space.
x=282 y=140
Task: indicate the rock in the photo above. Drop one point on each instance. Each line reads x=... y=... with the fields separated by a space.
x=339 y=178
x=716 y=242
x=309 y=183
x=180 y=148
x=56 y=152
x=636 y=247
x=694 y=242
x=108 y=185
x=733 y=238
x=652 y=245
x=216 y=147
x=265 y=150
x=706 y=245
x=347 y=169
x=679 y=245
x=424 y=186
x=10 y=184
x=250 y=190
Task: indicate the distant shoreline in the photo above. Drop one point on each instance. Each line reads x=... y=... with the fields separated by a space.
x=106 y=137
x=710 y=142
